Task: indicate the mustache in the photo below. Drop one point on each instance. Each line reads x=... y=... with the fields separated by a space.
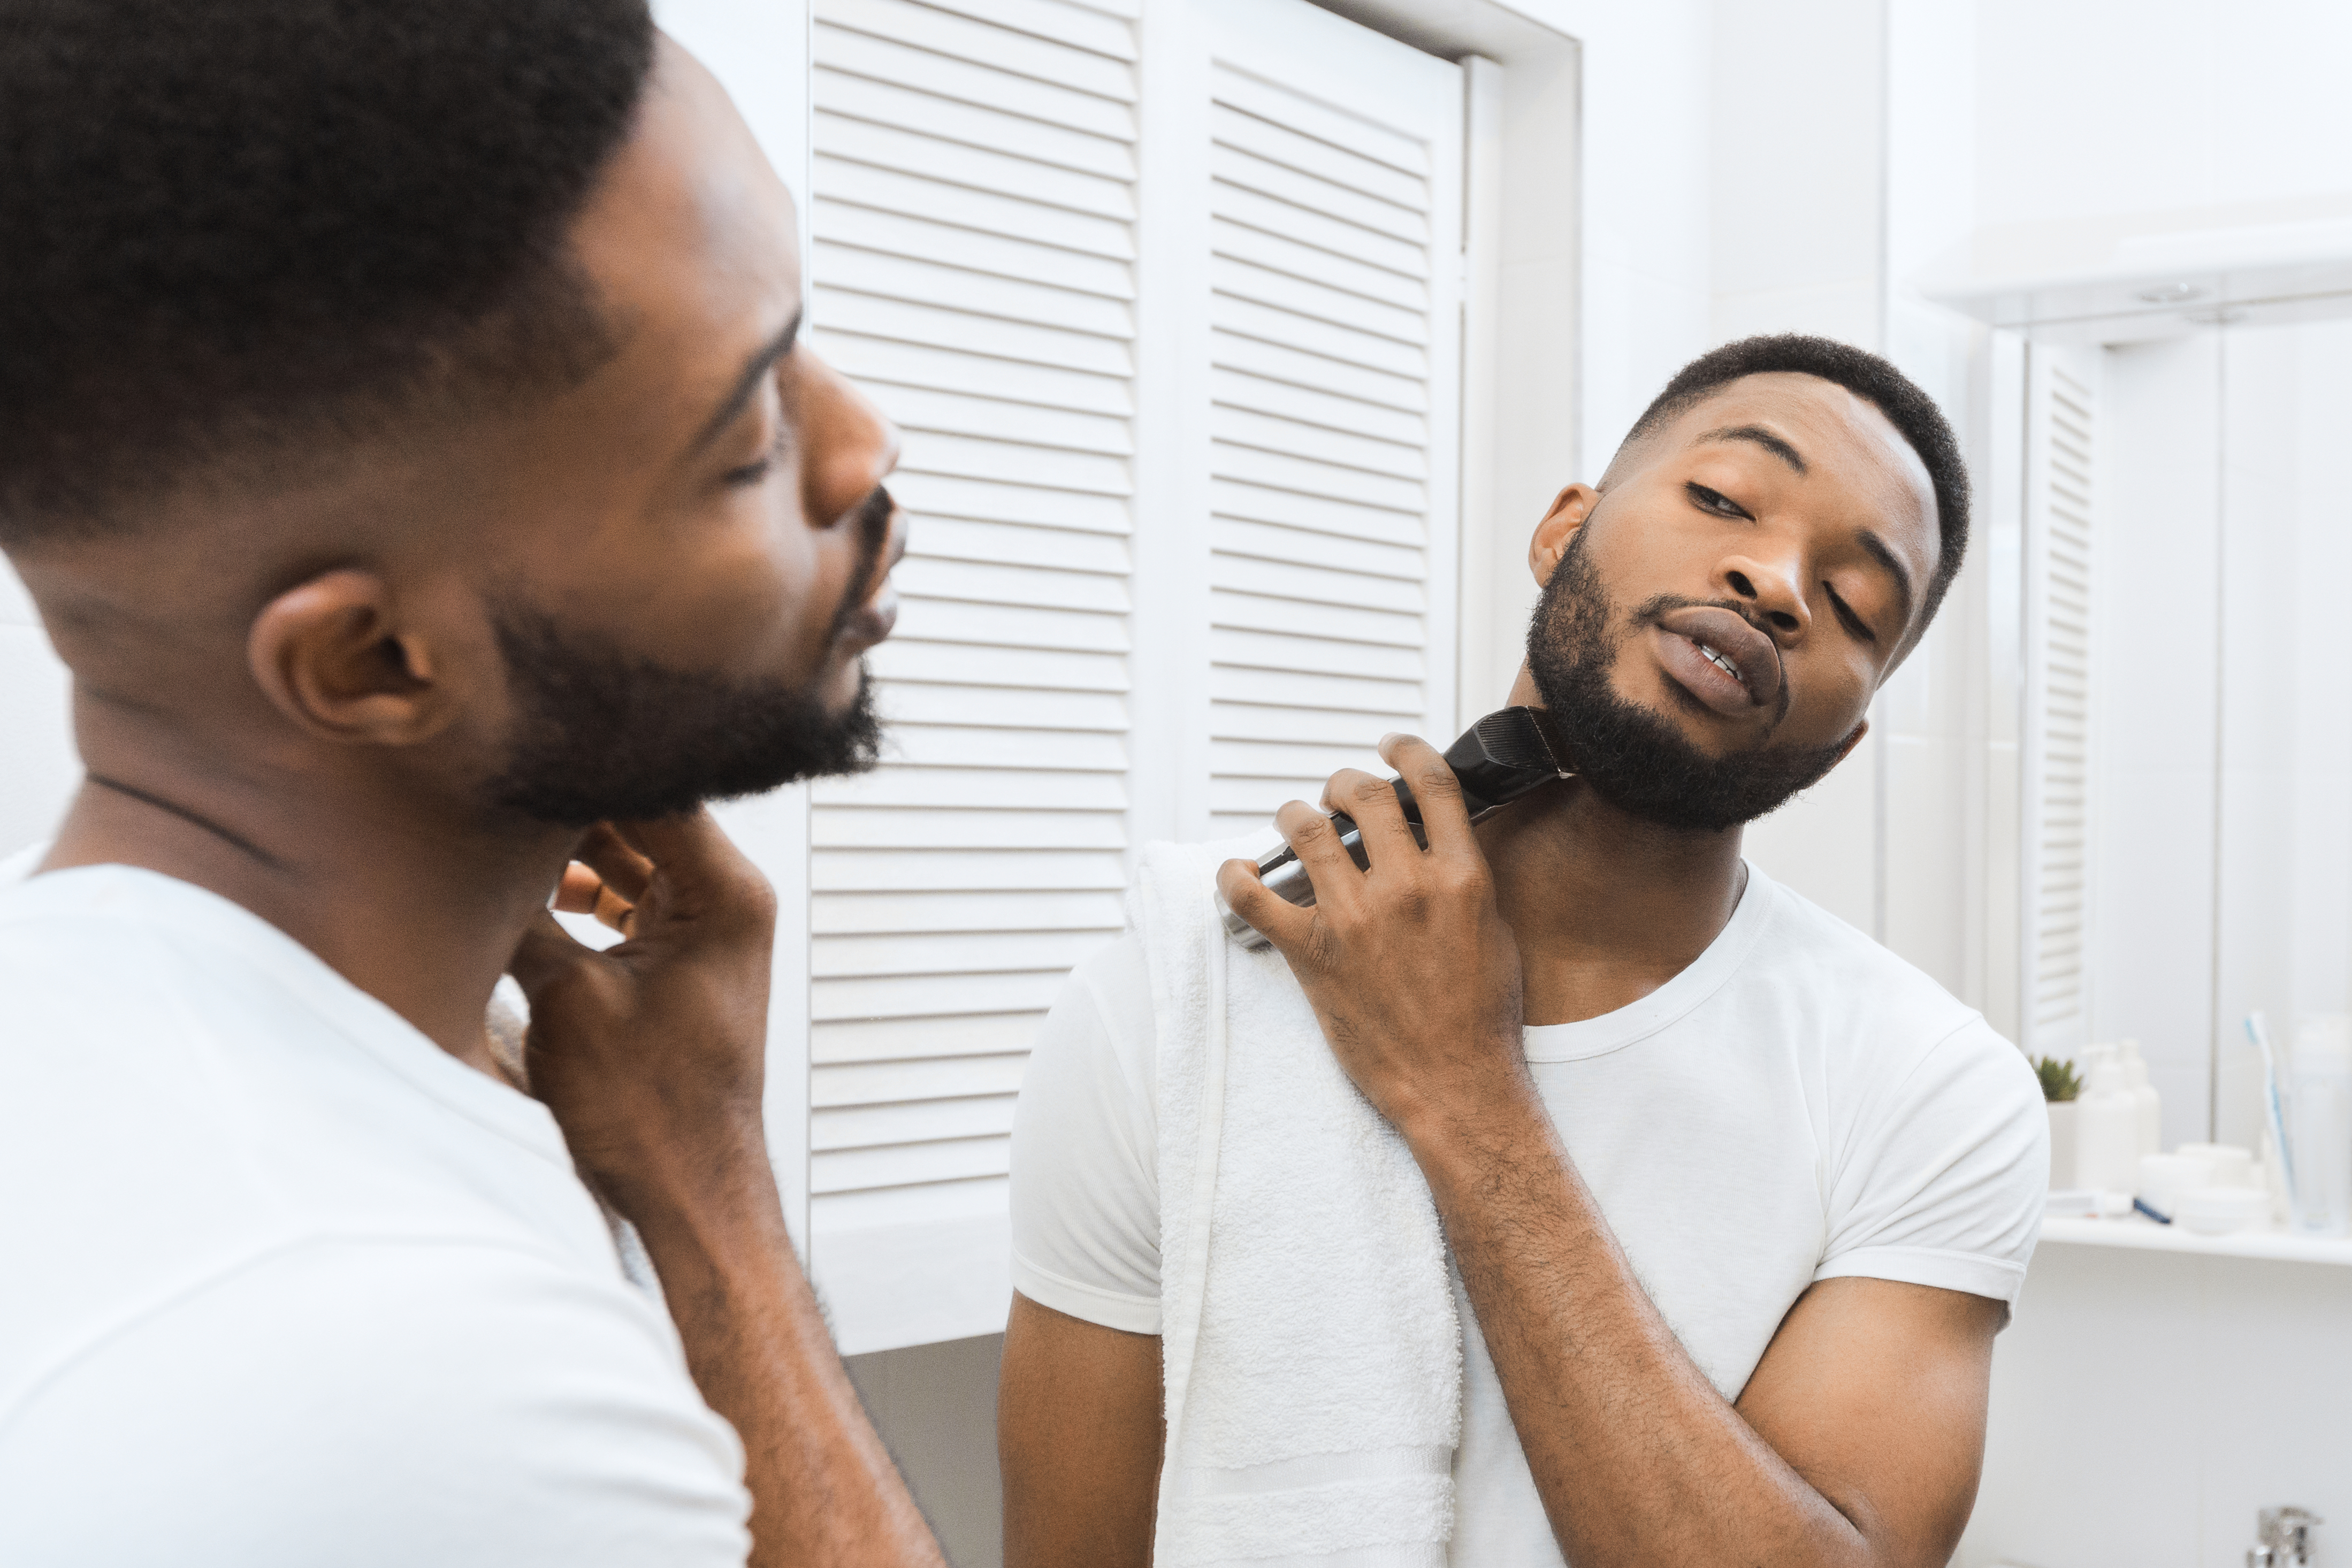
x=873 y=524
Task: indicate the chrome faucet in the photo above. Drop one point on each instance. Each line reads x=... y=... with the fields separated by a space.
x=2284 y=1534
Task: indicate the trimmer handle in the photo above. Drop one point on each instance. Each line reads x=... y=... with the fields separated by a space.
x=1499 y=759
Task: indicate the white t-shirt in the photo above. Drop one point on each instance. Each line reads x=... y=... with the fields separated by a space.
x=1798 y=1104
x=283 y=1283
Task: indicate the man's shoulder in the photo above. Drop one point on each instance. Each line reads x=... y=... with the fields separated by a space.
x=1809 y=948
x=331 y=1391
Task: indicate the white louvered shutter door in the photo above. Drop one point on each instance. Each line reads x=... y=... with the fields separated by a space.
x=2062 y=408
x=974 y=270
x=1334 y=336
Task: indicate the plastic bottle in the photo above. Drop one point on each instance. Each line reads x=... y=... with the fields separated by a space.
x=2151 y=1104
x=2106 y=1126
x=2319 y=1124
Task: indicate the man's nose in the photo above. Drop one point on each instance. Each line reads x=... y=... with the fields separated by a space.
x=851 y=446
x=1774 y=589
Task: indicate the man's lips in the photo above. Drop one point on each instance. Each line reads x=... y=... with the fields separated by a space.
x=868 y=622
x=873 y=620
x=1697 y=640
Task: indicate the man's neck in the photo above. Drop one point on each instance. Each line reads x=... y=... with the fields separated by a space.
x=422 y=920
x=1606 y=908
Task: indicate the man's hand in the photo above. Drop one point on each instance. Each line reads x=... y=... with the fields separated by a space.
x=1409 y=966
x=652 y=1054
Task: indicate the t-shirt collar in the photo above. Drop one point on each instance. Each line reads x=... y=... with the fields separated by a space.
x=1700 y=979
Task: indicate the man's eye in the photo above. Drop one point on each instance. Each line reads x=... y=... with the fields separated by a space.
x=757 y=471
x=1714 y=501
x=1847 y=618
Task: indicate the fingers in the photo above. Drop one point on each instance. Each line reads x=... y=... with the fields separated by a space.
x=1280 y=921
x=703 y=874
x=546 y=956
x=1443 y=818
x=621 y=868
x=1379 y=816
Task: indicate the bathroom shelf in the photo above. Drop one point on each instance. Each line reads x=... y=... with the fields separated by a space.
x=2147 y=1236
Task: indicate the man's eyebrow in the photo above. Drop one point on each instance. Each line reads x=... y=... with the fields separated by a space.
x=754 y=372
x=1763 y=438
x=1883 y=554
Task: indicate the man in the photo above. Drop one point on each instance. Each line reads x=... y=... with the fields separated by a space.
x=1737 y=1198
x=404 y=434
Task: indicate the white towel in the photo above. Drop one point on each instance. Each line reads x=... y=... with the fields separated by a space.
x=1313 y=1356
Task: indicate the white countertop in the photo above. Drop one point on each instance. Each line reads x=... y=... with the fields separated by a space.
x=2148 y=1236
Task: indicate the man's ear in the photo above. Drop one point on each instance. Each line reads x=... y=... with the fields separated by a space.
x=331 y=655
x=1569 y=509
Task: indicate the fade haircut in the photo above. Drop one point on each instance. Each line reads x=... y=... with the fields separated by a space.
x=1912 y=412
x=239 y=236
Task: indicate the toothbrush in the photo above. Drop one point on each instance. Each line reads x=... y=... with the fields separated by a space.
x=2258 y=1030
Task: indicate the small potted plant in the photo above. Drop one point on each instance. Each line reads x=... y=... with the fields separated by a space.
x=2060 y=1086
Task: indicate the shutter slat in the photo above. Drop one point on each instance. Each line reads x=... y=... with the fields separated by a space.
x=842 y=307
x=933 y=995
x=1241 y=171
x=971 y=125
x=1315 y=231
x=1275 y=433
x=949 y=663
x=1239 y=88
x=912 y=828
x=884 y=59
x=896 y=191
x=881 y=362
x=933 y=285
x=1317 y=584
x=860 y=1083
x=1306 y=618
x=912 y=235
x=963 y=538
x=1232 y=388
x=1006 y=424
x=1230 y=497
x=982 y=500
x=1323 y=161
x=1281 y=363
x=1328 y=481
x=1236 y=539
x=895 y=784
x=846 y=914
x=1285 y=329
x=1282 y=254
x=947 y=953
x=899 y=1040
x=981 y=43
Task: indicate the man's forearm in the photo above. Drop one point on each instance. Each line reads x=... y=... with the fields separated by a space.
x=824 y=1491
x=1636 y=1456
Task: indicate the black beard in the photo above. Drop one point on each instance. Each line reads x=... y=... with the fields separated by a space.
x=601 y=733
x=1633 y=758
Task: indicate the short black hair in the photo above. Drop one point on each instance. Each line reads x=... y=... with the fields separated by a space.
x=235 y=230
x=1911 y=411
